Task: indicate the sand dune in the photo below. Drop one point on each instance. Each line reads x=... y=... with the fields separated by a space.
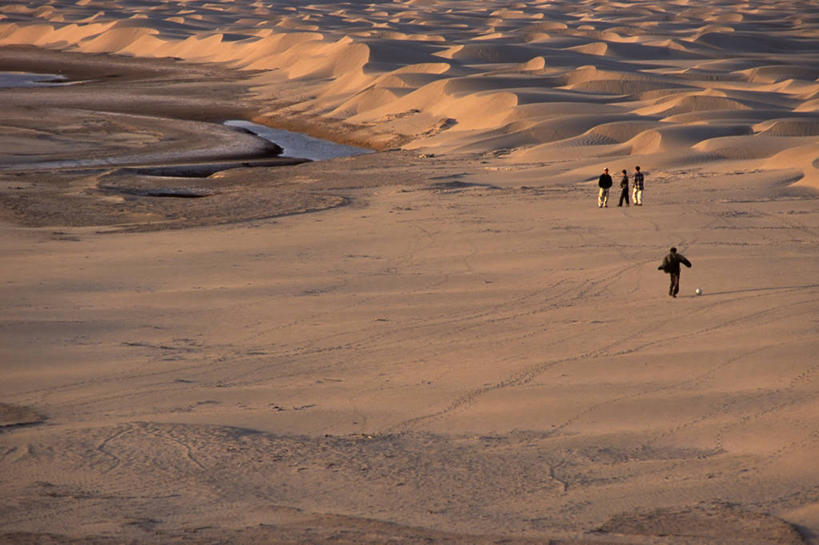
x=443 y=342
x=347 y=57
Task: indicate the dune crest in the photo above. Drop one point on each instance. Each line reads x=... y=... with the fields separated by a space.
x=356 y=62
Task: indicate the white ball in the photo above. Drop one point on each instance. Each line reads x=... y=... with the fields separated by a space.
x=698 y=291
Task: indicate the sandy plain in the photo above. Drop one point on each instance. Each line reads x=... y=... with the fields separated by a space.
x=446 y=341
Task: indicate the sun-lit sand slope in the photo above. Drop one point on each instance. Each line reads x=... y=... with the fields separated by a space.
x=538 y=80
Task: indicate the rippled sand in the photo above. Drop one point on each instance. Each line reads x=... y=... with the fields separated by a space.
x=442 y=342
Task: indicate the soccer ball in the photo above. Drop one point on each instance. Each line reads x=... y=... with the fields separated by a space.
x=698 y=291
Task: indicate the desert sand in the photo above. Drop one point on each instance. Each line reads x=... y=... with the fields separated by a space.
x=443 y=341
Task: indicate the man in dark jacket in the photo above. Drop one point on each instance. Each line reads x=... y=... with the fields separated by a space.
x=624 y=189
x=671 y=265
x=605 y=184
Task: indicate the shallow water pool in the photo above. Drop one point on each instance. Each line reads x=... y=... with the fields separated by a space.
x=27 y=79
x=297 y=144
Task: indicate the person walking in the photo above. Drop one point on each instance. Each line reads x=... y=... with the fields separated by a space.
x=605 y=184
x=671 y=265
x=624 y=189
x=637 y=194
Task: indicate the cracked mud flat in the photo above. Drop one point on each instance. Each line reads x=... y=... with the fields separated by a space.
x=456 y=345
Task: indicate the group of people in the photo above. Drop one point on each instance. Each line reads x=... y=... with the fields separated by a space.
x=605 y=183
x=671 y=262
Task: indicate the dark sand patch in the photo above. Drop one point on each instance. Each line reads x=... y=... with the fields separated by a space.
x=136 y=146
x=159 y=86
x=126 y=200
x=15 y=415
x=421 y=479
x=719 y=523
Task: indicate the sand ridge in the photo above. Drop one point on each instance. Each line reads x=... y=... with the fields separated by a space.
x=470 y=76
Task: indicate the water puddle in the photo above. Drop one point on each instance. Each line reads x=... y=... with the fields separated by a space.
x=299 y=145
x=27 y=79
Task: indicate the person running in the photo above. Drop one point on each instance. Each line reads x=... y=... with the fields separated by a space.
x=624 y=189
x=605 y=184
x=637 y=194
x=671 y=265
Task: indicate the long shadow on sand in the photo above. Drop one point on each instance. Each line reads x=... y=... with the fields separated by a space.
x=756 y=290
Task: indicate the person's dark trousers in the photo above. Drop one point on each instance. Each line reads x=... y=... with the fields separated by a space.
x=623 y=196
x=674 y=289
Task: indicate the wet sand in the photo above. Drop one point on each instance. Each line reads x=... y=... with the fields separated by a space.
x=121 y=132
